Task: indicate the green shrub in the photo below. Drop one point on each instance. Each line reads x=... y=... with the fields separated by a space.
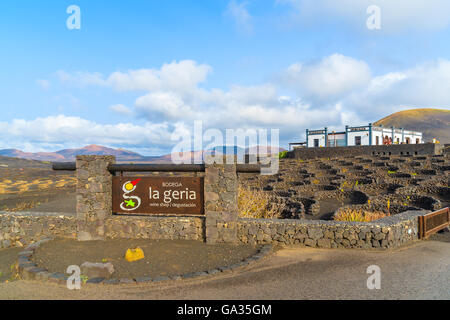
x=283 y=154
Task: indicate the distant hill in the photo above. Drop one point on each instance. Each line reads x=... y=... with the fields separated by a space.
x=15 y=163
x=434 y=123
x=70 y=154
x=42 y=156
x=122 y=155
x=228 y=149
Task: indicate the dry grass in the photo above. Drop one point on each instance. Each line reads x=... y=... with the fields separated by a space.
x=256 y=204
x=360 y=215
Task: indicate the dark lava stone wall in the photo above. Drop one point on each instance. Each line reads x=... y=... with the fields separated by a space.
x=154 y=227
x=389 y=232
x=21 y=229
x=401 y=149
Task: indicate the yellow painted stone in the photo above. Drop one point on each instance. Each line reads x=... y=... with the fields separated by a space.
x=134 y=254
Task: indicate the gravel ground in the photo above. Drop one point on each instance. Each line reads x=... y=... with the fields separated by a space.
x=49 y=200
x=443 y=236
x=67 y=204
x=418 y=271
x=162 y=257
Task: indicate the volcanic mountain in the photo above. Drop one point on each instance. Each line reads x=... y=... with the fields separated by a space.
x=434 y=123
x=122 y=155
x=70 y=154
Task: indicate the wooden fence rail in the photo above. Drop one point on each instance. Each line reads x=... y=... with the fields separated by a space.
x=154 y=167
x=433 y=222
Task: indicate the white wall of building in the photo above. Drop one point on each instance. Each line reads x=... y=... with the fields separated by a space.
x=413 y=136
x=364 y=137
x=398 y=137
x=382 y=133
x=376 y=134
x=311 y=139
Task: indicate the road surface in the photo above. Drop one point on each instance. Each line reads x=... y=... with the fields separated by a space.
x=418 y=271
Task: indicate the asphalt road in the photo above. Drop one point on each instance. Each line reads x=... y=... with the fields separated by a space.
x=419 y=271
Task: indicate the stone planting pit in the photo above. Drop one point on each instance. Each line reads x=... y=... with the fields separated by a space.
x=316 y=189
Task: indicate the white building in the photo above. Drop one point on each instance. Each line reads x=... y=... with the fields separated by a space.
x=361 y=136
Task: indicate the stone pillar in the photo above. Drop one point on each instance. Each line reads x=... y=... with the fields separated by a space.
x=346 y=136
x=94 y=196
x=221 y=196
x=307 y=140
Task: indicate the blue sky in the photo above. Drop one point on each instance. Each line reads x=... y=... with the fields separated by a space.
x=137 y=71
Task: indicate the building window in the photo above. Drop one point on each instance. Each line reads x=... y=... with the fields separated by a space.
x=358 y=141
x=316 y=143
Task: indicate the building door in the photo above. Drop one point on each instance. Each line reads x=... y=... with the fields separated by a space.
x=408 y=141
x=417 y=141
x=316 y=143
x=358 y=141
x=377 y=140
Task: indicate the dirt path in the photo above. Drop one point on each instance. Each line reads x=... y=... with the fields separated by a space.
x=419 y=271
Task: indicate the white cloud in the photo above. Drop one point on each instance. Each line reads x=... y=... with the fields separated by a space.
x=396 y=15
x=424 y=86
x=173 y=93
x=241 y=17
x=240 y=107
x=334 y=91
x=182 y=76
x=331 y=78
x=65 y=131
x=120 y=109
x=165 y=103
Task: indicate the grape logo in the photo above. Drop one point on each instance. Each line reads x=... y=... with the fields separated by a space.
x=130 y=203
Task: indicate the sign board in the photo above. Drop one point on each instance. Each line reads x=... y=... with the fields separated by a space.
x=158 y=195
x=313 y=132
x=357 y=129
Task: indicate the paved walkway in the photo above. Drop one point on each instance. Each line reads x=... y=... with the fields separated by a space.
x=419 y=271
